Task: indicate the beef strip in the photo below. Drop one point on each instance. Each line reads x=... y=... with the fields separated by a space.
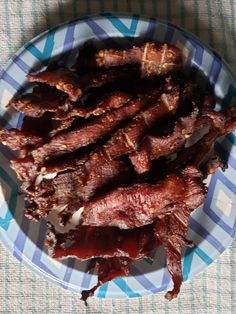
x=27 y=171
x=113 y=250
x=198 y=154
x=72 y=189
x=154 y=59
x=61 y=125
x=43 y=99
x=171 y=231
x=91 y=131
x=153 y=147
x=141 y=204
x=127 y=139
x=61 y=78
x=107 y=269
x=75 y=85
x=20 y=140
x=113 y=100
x=88 y=242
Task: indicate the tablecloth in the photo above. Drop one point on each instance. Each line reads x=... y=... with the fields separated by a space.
x=212 y=291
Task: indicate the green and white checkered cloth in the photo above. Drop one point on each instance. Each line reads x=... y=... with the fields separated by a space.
x=214 y=290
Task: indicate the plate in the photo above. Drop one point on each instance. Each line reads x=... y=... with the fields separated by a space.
x=212 y=227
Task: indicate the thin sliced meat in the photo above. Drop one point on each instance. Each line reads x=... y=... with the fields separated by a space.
x=198 y=154
x=91 y=242
x=107 y=269
x=127 y=139
x=141 y=204
x=61 y=78
x=19 y=140
x=172 y=231
x=91 y=131
x=75 y=85
x=153 y=147
x=62 y=125
x=109 y=102
x=27 y=171
x=43 y=99
x=154 y=59
x=72 y=189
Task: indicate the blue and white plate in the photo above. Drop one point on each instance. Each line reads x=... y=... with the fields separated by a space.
x=212 y=227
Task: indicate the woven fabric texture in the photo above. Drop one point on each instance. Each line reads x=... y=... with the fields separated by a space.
x=214 y=290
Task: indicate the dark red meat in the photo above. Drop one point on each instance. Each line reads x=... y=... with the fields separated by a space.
x=127 y=139
x=171 y=231
x=20 y=140
x=154 y=59
x=91 y=131
x=111 y=101
x=72 y=189
x=141 y=204
x=89 y=242
x=43 y=99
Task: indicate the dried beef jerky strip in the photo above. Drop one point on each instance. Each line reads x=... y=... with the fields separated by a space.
x=153 y=147
x=154 y=59
x=171 y=231
x=61 y=78
x=62 y=125
x=198 y=153
x=91 y=131
x=72 y=189
x=113 y=100
x=141 y=204
x=43 y=99
x=107 y=269
x=74 y=85
x=88 y=242
x=19 y=140
x=127 y=139
x=27 y=171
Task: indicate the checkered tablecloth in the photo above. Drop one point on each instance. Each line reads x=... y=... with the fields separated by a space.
x=214 y=290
